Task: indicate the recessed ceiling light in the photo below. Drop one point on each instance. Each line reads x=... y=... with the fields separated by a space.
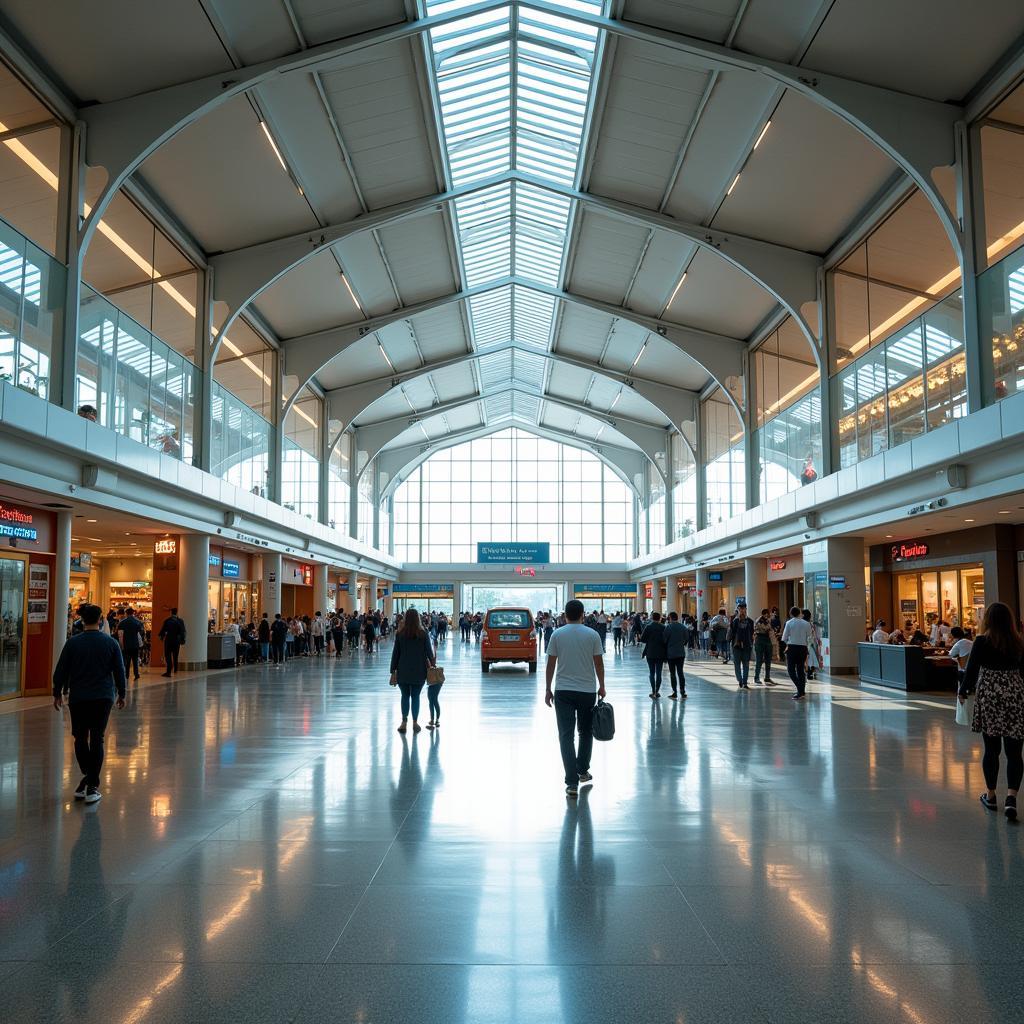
x=888 y=536
x=968 y=520
x=1004 y=511
x=90 y=520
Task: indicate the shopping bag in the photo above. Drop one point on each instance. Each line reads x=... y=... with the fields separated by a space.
x=965 y=712
x=603 y=721
x=435 y=675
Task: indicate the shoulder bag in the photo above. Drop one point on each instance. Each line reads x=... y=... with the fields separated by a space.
x=435 y=675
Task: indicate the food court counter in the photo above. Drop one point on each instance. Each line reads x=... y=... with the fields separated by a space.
x=906 y=667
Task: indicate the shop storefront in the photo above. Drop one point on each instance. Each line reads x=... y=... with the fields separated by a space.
x=427 y=597
x=725 y=587
x=951 y=576
x=786 y=582
x=296 y=588
x=611 y=597
x=27 y=599
x=233 y=593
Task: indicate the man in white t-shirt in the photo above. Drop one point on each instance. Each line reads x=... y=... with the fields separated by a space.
x=961 y=649
x=880 y=635
x=575 y=651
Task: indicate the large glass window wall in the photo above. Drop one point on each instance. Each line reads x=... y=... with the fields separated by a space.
x=365 y=508
x=788 y=412
x=300 y=467
x=684 y=488
x=240 y=446
x=246 y=366
x=139 y=386
x=915 y=382
x=513 y=486
x=32 y=286
x=338 y=487
x=656 y=513
x=724 y=461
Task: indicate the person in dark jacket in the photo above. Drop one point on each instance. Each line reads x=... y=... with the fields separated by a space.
x=411 y=656
x=741 y=641
x=763 y=642
x=90 y=670
x=263 y=632
x=133 y=633
x=278 y=638
x=995 y=673
x=172 y=632
x=677 y=636
x=653 y=639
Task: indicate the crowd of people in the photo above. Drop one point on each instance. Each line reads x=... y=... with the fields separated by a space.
x=102 y=652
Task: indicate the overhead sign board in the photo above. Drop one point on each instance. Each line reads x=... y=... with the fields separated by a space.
x=497 y=552
x=404 y=589
x=16 y=523
x=714 y=577
x=585 y=590
x=230 y=570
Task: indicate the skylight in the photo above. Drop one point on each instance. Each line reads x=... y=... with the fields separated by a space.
x=514 y=86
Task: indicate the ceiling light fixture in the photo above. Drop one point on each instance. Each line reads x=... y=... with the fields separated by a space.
x=388 y=361
x=732 y=186
x=273 y=146
x=767 y=125
x=968 y=520
x=643 y=349
x=675 y=291
x=90 y=520
x=1004 y=511
x=344 y=278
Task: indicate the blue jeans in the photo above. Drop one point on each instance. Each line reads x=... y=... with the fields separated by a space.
x=265 y=650
x=433 y=691
x=741 y=664
x=411 y=695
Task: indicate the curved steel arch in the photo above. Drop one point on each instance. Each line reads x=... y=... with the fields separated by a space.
x=720 y=356
x=349 y=403
x=789 y=275
x=916 y=133
x=418 y=454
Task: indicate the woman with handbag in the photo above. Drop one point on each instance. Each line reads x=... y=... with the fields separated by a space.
x=411 y=659
x=995 y=675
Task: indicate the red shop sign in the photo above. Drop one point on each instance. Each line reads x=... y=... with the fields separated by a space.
x=908 y=550
x=777 y=564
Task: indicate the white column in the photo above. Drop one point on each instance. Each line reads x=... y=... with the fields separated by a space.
x=347 y=598
x=656 y=594
x=193 y=597
x=271 y=584
x=371 y=597
x=319 y=587
x=671 y=594
x=702 y=592
x=755 y=582
x=61 y=584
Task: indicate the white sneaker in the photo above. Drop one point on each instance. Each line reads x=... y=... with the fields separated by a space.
x=93 y=795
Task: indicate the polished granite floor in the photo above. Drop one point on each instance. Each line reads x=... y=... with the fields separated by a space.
x=269 y=849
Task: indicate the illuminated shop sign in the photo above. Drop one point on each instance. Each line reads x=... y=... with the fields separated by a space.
x=167 y=546
x=525 y=570
x=909 y=550
x=418 y=589
x=777 y=564
x=17 y=524
x=307 y=575
x=214 y=561
x=230 y=570
x=714 y=577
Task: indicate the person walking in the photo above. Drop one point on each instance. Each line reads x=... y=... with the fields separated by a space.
x=316 y=629
x=263 y=633
x=704 y=629
x=278 y=638
x=173 y=633
x=677 y=636
x=764 y=643
x=720 y=635
x=653 y=639
x=797 y=635
x=574 y=676
x=995 y=674
x=90 y=670
x=617 y=622
x=602 y=628
x=813 y=648
x=133 y=634
x=740 y=639
x=411 y=656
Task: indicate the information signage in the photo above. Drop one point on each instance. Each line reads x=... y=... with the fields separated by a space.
x=714 y=577
x=404 y=589
x=837 y=583
x=82 y=562
x=230 y=570
x=513 y=551
x=909 y=550
x=585 y=590
x=16 y=523
x=214 y=561
x=38 y=593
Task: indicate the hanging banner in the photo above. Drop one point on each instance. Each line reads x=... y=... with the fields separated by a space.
x=513 y=551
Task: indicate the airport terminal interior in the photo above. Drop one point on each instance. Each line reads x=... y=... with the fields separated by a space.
x=338 y=337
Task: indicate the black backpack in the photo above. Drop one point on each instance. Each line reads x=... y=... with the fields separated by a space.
x=603 y=721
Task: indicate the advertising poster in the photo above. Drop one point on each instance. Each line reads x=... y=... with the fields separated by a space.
x=38 y=593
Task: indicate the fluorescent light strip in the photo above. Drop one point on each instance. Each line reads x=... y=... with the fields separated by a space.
x=675 y=291
x=643 y=348
x=767 y=125
x=344 y=278
x=733 y=185
x=273 y=146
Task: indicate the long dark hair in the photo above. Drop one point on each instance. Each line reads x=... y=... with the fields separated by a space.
x=1001 y=631
x=412 y=627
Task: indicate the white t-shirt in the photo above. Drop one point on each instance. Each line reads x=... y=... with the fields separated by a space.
x=575 y=646
x=879 y=636
x=797 y=632
x=961 y=649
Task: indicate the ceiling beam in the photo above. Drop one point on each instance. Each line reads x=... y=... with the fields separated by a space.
x=720 y=356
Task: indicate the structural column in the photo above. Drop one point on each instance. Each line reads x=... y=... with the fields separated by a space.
x=271 y=583
x=656 y=594
x=671 y=594
x=702 y=592
x=371 y=597
x=61 y=583
x=319 y=587
x=755 y=583
x=837 y=598
x=193 y=597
